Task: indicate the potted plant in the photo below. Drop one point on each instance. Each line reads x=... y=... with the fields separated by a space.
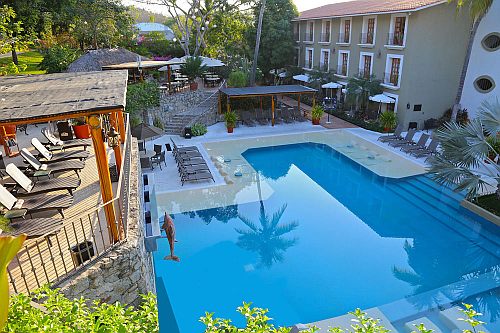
x=193 y=68
x=316 y=114
x=81 y=129
x=231 y=118
x=388 y=120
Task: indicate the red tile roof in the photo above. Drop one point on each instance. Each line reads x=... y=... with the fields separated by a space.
x=361 y=7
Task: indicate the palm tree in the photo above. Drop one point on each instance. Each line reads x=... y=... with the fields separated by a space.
x=360 y=88
x=478 y=8
x=470 y=152
x=267 y=238
x=257 y=43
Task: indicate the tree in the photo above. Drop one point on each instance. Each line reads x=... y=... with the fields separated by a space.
x=468 y=153
x=274 y=40
x=360 y=88
x=12 y=33
x=478 y=8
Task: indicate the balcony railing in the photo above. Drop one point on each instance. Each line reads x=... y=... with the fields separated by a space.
x=364 y=73
x=308 y=37
x=342 y=70
x=391 y=79
x=396 y=39
x=366 y=38
x=344 y=38
x=325 y=38
x=296 y=36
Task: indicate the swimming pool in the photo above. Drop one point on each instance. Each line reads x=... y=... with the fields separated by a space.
x=328 y=237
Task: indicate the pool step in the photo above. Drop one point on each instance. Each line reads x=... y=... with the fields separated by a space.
x=430 y=325
x=450 y=318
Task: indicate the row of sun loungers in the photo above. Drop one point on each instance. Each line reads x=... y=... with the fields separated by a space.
x=26 y=196
x=283 y=114
x=190 y=164
x=406 y=143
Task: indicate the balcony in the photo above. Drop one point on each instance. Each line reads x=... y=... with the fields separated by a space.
x=396 y=39
x=325 y=37
x=342 y=70
x=344 y=38
x=391 y=79
x=366 y=38
x=296 y=36
x=364 y=73
x=308 y=37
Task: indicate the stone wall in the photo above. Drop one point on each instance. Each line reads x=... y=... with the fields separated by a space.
x=126 y=271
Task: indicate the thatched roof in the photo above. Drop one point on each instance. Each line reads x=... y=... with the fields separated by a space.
x=93 y=60
x=28 y=99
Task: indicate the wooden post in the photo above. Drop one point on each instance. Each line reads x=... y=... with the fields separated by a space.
x=298 y=105
x=261 y=109
x=228 y=106
x=121 y=125
x=104 y=177
x=219 y=107
x=168 y=77
x=117 y=149
x=272 y=110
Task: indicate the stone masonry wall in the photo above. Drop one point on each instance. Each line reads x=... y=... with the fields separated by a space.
x=126 y=271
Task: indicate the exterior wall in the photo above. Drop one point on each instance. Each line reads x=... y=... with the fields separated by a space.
x=125 y=272
x=435 y=44
x=483 y=62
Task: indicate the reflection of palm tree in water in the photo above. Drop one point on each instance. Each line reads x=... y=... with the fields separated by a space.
x=267 y=238
x=431 y=270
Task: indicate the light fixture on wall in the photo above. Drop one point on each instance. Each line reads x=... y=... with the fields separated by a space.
x=379 y=53
x=408 y=106
x=333 y=50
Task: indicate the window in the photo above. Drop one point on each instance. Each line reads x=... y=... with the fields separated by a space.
x=484 y=84
x=296 y=31
x=325 y=60
x=368 y=30
x=297 y=56
x=393 y=69
x=309 y=37
x=345 y=31
x=365 y=64
x=309 y=58
x=343 y=64
x=417 y=107
x=491 y=42
x=397 y=31
x=325 y=32
x=393 y=107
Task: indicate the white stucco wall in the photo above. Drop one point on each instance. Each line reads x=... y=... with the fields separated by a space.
x=483 y=62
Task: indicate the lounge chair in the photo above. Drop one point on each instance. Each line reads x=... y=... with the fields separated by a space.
x=71 y=165
x=429 y=150
x=33 y=204
x=395 y=136
x=183 y=148
x=197 y=176
x=420 y=144
x=408 y=139
x=47 y=156
x=34 y=227
x=261 y=117
x=55 y=143
x=29 y=187
x=246 y=118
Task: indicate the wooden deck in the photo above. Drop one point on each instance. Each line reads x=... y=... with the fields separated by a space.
x=39 y=263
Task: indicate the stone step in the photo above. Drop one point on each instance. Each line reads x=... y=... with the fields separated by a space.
x=410 y=326
x=450 y=318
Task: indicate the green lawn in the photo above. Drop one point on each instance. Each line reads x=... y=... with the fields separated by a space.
x=30 y=58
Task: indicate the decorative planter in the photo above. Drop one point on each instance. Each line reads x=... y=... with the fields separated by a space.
x=315 y=121
x=230 y=129
x=82 y=131
x=193 y=86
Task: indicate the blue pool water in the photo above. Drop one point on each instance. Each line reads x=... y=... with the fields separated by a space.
x=332 y=237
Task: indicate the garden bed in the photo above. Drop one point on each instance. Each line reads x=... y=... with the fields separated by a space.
x=372 y=126
x=490 y=203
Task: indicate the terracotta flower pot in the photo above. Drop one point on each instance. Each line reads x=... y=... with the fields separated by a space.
x=193 y=86
x=230 y=129
x=315 y=121
x=82 y=131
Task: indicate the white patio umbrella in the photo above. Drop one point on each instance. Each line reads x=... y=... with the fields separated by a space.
x=282 y=75
x=331 y=85
x=381 y=98
x=173 y=61
x=208 y=62
x=302 y=77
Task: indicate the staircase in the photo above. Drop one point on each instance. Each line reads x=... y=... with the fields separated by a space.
x=178 y=122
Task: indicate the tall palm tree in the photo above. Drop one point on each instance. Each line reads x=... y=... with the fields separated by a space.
x=478 y=8
x=360 y=88
x=257 y=43
x=469 y=152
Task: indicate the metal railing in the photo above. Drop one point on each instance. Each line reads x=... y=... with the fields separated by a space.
x=308 y=37
x=391 y=78
x=342 y=70
x=363 y=73
x=82 y=240
x=366 y=38
x=325 y=37
x=344 y=38
x=396 y=39
x=210 y=115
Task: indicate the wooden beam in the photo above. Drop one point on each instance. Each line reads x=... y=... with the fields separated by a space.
x=104 y=177
x=272 y=110
x=298 y=105
x=121 y=124
x=228 y=106
x=219 y=105
x=118 y=152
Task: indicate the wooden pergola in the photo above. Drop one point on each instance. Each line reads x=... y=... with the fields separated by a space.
x=53 y=97
x=264 y=91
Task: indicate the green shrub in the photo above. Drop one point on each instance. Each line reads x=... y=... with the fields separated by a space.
x=63 y=315
x=57 y=59
x=12 y=68
x=158 y=123
x=372 y=126
x=198 y=129
x=140 y=97
x=317 y=112
x=237 y=79
x=388 y=120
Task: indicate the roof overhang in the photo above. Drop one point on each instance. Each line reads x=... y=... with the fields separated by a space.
x=267 y=91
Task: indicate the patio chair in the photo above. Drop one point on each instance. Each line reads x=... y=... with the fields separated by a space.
x=189 y=169
x=34 y=227
x=297 y=115
x=420 y=144
x=158 y=159
x=408 y=139
x=33 y=204
x=397 y=135
x=261 y=117
x=286 y=115
x=29 y=187
x=427 y=151
x=64 y=129
x=48 y=157
x=142 y=145
x=157 y=149
x=246 y=118
x=71 y=165
x=146 y=163
x=55 y=143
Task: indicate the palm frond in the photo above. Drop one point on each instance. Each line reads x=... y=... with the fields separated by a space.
x=489 y=113
x=286 y=228
x=277 y=216
x=248 y=222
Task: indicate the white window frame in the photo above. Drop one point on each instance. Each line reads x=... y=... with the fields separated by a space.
x=362 y=60
x=298 y=56
x=298 y=31
x=339 y=61
x=323 y=30
x=388 y=65
x=342 y=28
x=395 y=97
x=364 y=30
x=312 y=59
x=322 y=58
x=391 y=30
x=307 y=31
